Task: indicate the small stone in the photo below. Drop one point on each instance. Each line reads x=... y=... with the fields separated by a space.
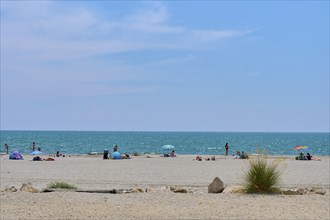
x=289 y=192
x=318 y=190
x=176 y=189
x=137 y=190
x=10 y=189
x=28 y=188
x=232 y=189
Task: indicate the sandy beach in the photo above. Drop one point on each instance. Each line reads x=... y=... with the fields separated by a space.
x=154 y=175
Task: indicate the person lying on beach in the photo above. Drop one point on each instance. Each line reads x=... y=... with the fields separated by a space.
x=166 y=155
x=37 y=158
x=49 y=159
x=125 y=156
x=198 y=158
x=209 y=158
x=310 y=157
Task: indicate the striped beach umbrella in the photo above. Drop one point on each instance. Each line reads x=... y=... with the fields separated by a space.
x=301 y=148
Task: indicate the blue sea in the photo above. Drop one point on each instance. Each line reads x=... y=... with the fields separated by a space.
x=210 y=143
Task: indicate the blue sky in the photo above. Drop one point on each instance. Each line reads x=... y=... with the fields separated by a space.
x=165 y=66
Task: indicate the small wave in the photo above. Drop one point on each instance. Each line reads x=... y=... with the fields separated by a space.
x=214 y=148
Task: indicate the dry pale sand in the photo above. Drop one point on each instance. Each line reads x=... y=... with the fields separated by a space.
x=156 y=174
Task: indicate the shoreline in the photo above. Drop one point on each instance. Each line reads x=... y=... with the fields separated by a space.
x=100 y=154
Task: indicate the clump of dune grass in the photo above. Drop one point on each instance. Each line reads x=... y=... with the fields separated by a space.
x=262 y=175
x=61 y=185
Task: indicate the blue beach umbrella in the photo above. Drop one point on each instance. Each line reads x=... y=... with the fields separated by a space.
x=116 y=156
x=36 y=152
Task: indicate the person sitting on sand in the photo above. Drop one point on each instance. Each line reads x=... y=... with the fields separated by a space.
x=244 y=155
x=105 y=154
x=198 y=158
x=238 y=155
x=58 y=154
x=172 y=154
x=308 y=156
x=300 y=156
x=115 y=154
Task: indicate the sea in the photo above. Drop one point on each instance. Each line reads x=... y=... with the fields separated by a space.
x=136 y=142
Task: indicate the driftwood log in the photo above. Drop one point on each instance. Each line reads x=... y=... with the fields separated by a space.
x=113 y=191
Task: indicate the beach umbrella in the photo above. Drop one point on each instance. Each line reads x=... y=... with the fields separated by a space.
x=301 y=148
x=116 y=155
x=168 y=147
x=36 y=152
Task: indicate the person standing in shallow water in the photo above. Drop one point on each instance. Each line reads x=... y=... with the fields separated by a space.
x=33 y=146
x=227 y=148
x=7 y=148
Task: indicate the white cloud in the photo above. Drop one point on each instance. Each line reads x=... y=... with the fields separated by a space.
x=171 y=61
x=152 y=21
x=79 y=32
x=214 y=35
x=37 y=33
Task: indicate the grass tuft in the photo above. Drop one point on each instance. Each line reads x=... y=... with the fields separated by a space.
x=262 y=175
x=61 y=185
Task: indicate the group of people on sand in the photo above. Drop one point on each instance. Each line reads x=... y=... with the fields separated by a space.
x=302 y=156
x=241 y=155
x=172 y=154
x=36 y=157
x=199 y=158
x=115 y=154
